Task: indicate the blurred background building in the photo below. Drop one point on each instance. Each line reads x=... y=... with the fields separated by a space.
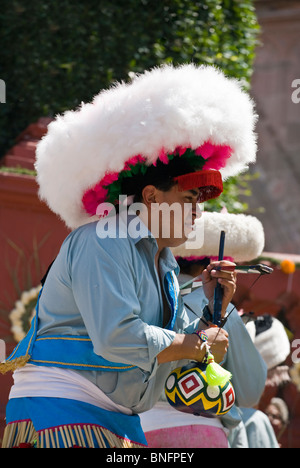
x=276 y=66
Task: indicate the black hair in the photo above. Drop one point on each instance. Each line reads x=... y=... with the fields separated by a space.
x=161 y=176
x=185 y=265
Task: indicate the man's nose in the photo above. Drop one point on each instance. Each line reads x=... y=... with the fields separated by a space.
x=197 y=211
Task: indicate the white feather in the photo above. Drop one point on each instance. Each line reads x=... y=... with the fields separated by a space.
x=244 y=237
x=163 y=108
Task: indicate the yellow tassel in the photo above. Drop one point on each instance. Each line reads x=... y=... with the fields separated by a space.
x=215 y=374
x=14 y=364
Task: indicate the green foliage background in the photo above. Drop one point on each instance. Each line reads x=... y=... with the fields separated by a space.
x=56 y=53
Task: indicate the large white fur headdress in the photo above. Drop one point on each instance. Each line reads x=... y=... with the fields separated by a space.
x=161 y=111
x=244 y=237
x=270 y=339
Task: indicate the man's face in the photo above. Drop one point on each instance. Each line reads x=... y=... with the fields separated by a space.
x=275 y=418
x=173 y=213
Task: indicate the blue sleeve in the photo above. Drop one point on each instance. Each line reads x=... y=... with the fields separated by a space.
x=248 y=369
x=104 y=288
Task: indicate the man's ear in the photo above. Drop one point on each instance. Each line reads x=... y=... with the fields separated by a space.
x=149 y=194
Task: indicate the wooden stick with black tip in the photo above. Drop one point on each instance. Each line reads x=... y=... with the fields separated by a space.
x=218 y=295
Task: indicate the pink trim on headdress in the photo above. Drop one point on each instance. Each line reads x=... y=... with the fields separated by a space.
x=163 y=157
x=215 y=155
x=93 y=197
x=133 y=162
x=194 y=258
x=180 y=150
x=96 y=195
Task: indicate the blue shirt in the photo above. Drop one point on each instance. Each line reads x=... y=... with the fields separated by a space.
x=108 y=288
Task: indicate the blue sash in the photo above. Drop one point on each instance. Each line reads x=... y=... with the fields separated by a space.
x=76 y=352
x=56 y=413
x=72 y=352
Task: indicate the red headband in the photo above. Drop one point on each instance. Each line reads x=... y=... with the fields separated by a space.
x=210 y=183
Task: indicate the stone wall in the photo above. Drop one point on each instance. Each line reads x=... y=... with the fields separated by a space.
x=30 y=238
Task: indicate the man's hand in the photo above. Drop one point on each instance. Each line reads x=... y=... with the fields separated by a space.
x=211 y=275
x=218 y=342
x=189 y=346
